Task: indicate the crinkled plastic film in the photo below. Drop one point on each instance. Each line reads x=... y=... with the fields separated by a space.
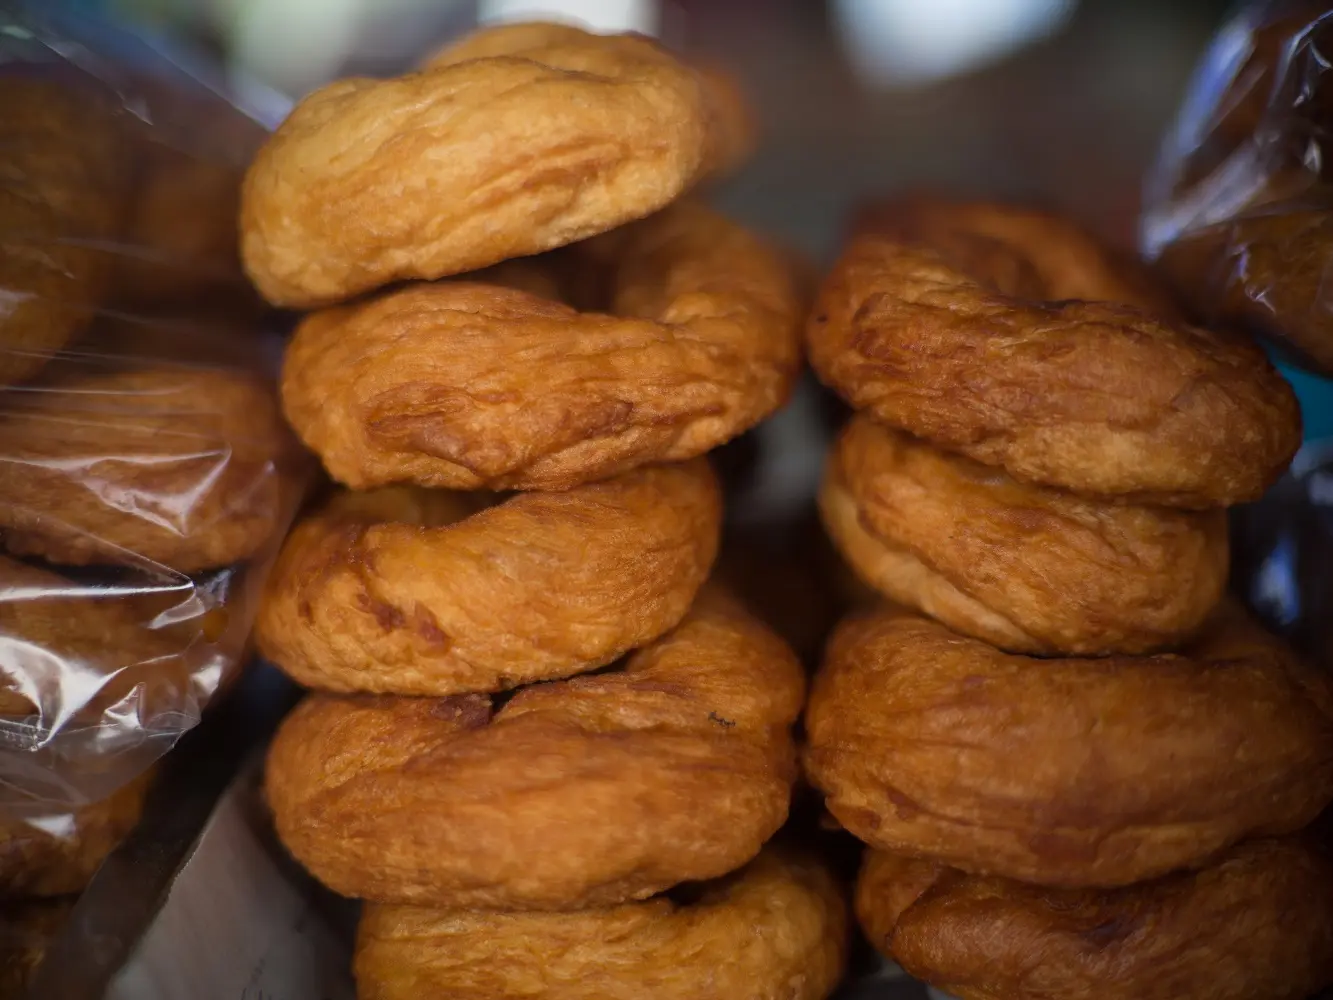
x=1239 y=208
x=145 y=475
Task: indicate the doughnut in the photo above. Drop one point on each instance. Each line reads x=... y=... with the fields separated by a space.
x=1264 y=271
x=176 y=466
x=572 y=794
x=776 y=930
x=1063 y=772
x=520 y=140
x=419 y=592
x=68 y=649
x=1027 y=568
x=998 y=333
x=468 y=385
x=27 y=929
x=1257 y=925
x=55 y=855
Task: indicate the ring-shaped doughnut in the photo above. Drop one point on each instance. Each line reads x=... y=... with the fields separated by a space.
x=1257 y=925
x=467 y=385
x=178 y=466
x=776 y=930
x=585 y=792
x=988 y=331
x=411 y=592
x=523 y=139
x=1027 y=568
x=1066 y=772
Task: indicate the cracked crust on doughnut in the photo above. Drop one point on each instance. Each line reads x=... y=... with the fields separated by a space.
x=987 y=331
x=777 y=930
x=427 y=592
x=521 y=139
x=1027 y=568
x=586 y=792
x=176 y=466
x=1067 y=772
x=466 y=385
x=1257 y=925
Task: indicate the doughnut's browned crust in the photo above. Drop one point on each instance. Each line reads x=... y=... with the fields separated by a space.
x=1264 y=271
x=577 y=793
x=775 y=931
x=466 y=385
x=82 y=652
x=1027 y=568
x=1256 y=926
x=523 y=139
x=997 y=341
x=178 y=466
x=61 y=188
x=27 y=929
x=419 y=592
x=61 y=854
x=1066 y=772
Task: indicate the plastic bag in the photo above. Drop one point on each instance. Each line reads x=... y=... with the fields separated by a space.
x=146 y=478
x=1239 y=208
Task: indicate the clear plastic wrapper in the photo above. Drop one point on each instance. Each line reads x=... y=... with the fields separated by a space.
x=1239 y=208
x=146 y=478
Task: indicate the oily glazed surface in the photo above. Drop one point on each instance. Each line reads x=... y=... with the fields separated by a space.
x=420 y=592
x=481 y=383
x=1028 y=568
x=523 y=139
x=586 y=792
x=177 y=466
x=989 y=334
x=1066 y=772
x=97 y=654
x=777 y=930
x=1258 y=925
x=61 y=854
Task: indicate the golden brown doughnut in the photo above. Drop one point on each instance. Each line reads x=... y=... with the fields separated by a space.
x=182 y=467
x=466 y=385
x=61 y=190
x=521 y=139
x=1066 y=772
x=420 y=592
x=775 y=931
x=27 y=929
x=988 y=331
x=64 y=650
x=1027 y=568
x=578 y=793
x=55 y=855
x=1258 y=925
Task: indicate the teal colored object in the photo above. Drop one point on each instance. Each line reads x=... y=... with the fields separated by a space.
x=1316 y=397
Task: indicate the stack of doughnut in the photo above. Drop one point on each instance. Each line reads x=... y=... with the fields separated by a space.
x=1080 y=770
x=535 y=726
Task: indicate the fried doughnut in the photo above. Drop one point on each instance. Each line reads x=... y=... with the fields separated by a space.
x=998 y=333
x=63 y=650
x=577 y=793
x=1256 y=926
x=520 y=140
x=55 y=855
x=27 y=929
x=401 y=591
x=467 y=385
x=775 y=931
x=178 y=466
x=1026 y=568
x=1067 y=772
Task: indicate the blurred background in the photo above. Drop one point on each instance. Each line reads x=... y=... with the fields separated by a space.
x=1061 y=101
